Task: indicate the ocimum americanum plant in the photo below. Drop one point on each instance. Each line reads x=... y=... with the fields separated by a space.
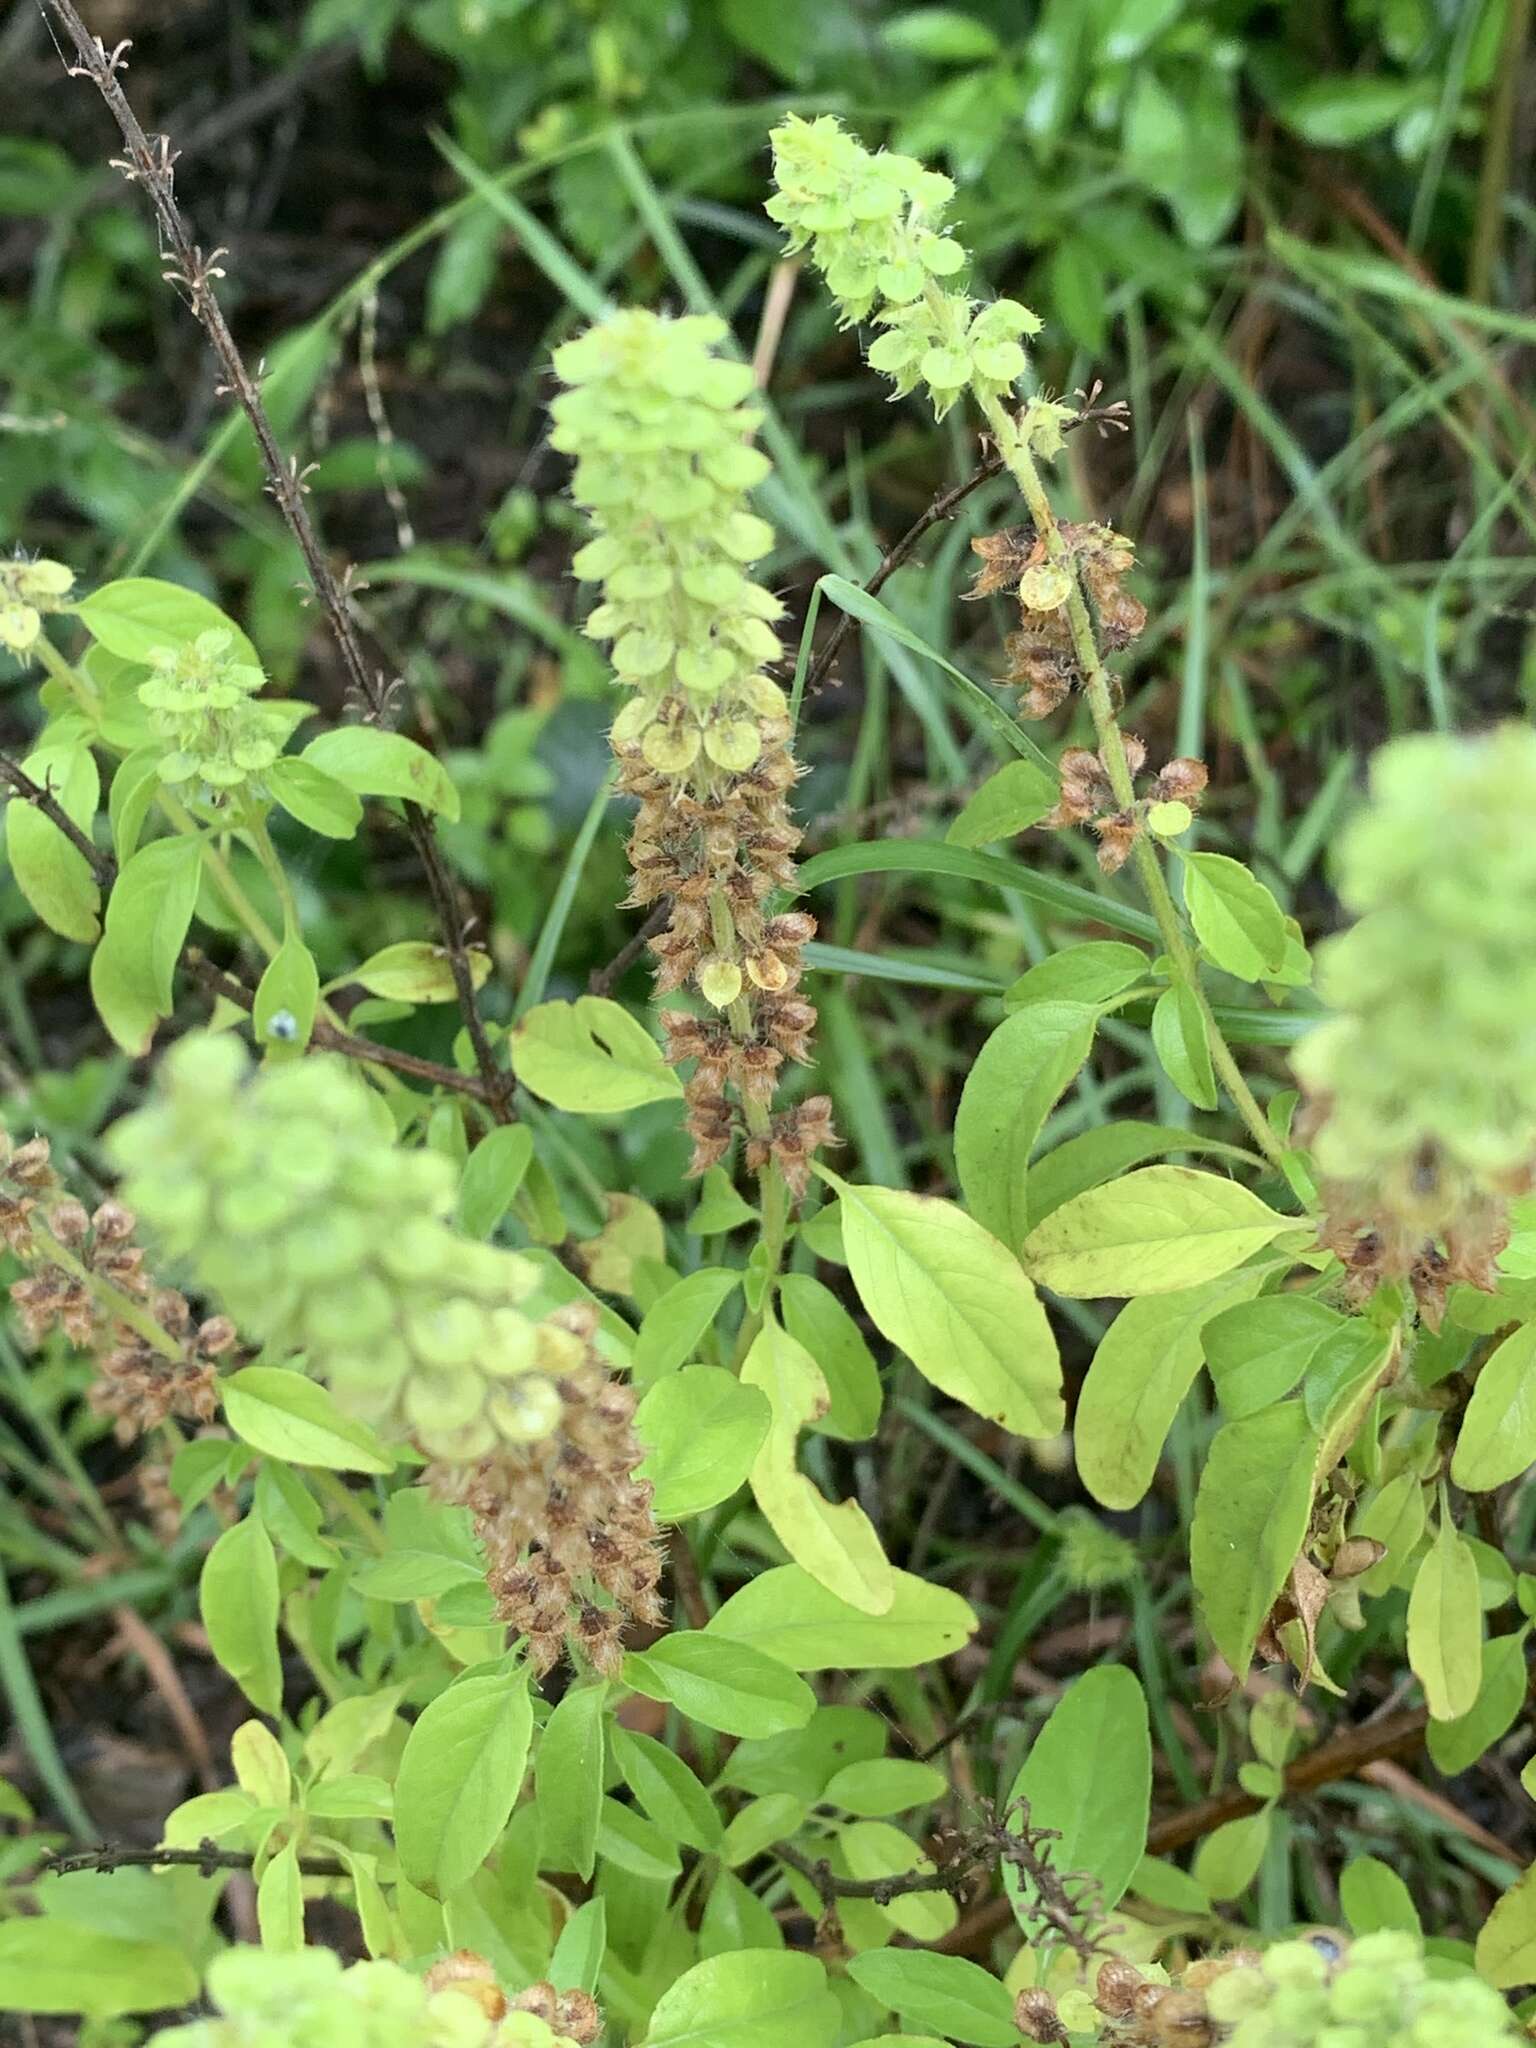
x=538 y=1496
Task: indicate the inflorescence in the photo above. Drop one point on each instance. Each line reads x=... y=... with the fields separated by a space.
x=660 y=429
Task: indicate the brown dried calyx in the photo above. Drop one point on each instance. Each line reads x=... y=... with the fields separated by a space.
x=1088 y=797
x=572 y=1545
x=571 y=2015
x=1042 y=659
x=722 y=841
x=139 y=1386
x=1141 y=2013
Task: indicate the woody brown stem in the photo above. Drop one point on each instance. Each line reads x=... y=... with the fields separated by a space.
x=30 y=791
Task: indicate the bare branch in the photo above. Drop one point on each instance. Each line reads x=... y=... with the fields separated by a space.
x=42 y=798
x=207 y=1858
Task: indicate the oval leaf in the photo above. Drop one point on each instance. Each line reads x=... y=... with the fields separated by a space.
x=591 y=1057
x=1152 y=1232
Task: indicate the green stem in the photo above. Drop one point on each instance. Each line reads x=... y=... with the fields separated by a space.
x=123 y=1308
x=1098 y=691
x=64 y=672
x=261 y=841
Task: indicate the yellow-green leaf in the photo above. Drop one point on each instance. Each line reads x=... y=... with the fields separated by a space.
x=837 y=1545
x=956 y=1301
x=1498 y=1431
x=1152 y=1232
x=591 y=1057
x=1445 y=1625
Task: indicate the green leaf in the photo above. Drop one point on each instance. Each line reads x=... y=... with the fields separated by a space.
x=1506 y=1944
x=1373 y=1896
x=568 y=1781
x=492 y=1175
x=1445 y=1625
x=1251 y=1515
x=1144 y=1366
x=668 y=1790
x=627 y=1841
x=412 y=971
x=881 y=1785
x=1153 y=1232
x=701 y=1429
x=133 y=969
x=837 y=1544
x=318 y=800
x=1089 y=1774
x=1017 y=1078
x=935 y=857
x=577 y=1961
x=1095 y=1156
x=815 y=1317
x=136 y=616
x=1096 y=971
x=345 y=1733
x=675 y=1324
x=1456 y=1745
x=1236 y=920
x=1336 y=111
x=1183 y=1046
x=969 y=2003
x=375 y=763
x=56 y=1965
x=1009 y=802
x=460 y=1774
x=1228 y=1860
x=239 y=1601
x=1258 y=1351
x=1498 y=1431
x=785 y=1613
x=429 y=1548
x=730 y=1685
x=590 y=1057
x=280 y=1902
x=287 y=996
x=941 y=35
x=54 y=876
x=289 y=1416
x=135 y=785
x=956 y=1302
x=753 y=1998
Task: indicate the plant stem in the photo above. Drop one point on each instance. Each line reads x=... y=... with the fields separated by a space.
x=121 y=1307
x=1098 y=690
x=66 y=673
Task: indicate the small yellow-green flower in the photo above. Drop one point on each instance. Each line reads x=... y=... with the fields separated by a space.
x=201 y=701
x=28 y=592
x=873 y=225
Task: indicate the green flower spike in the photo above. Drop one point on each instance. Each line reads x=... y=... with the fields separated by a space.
x=873 y=226
x=1422 y=1085
x=286 y=1197
x=306 y=1999
x=28 y=591
x=1372 y=1993
x=200 y=701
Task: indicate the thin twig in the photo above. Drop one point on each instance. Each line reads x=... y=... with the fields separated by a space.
x=152 y=165
x=604 y=979
x=330 y=1039
x=102 y=865
x=942 y=508
x=831 y=1887
x=206 y=1857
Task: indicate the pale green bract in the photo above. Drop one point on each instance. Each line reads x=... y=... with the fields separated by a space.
x=307 y=2000
x=660 y=429
x=201 y=701
x=321 y=1237
x=873 y=226
x=1378 y=1995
